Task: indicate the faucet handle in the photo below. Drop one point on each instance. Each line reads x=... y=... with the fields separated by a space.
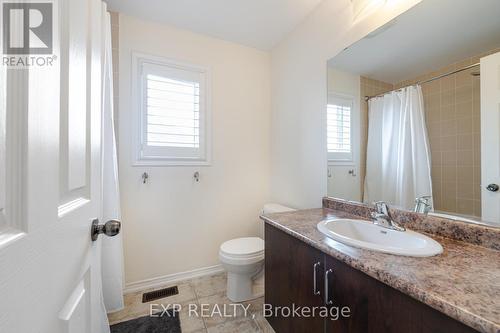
x=423 y=204
x=381 y=207
x=424 y=199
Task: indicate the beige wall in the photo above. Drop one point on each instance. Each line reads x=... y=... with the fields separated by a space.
x=452 y=108
x=173 y=224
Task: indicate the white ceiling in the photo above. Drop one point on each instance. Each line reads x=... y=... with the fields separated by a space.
x=431 y=35
x=256 y=23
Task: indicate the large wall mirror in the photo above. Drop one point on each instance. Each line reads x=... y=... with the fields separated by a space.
x=413 y=114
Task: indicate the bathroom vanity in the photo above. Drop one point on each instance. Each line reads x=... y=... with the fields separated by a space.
x=408 y=123
x=456 y=291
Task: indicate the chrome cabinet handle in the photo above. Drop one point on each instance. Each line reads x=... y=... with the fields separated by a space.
x=315 y=289
x=327 y=292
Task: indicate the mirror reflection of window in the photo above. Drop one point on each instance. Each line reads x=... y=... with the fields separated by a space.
x=338 y=115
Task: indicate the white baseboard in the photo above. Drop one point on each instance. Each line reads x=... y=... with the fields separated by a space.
x=171 y=278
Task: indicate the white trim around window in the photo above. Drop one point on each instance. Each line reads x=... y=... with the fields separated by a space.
x=167 y=132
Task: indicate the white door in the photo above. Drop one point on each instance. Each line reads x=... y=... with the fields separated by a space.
x=50 y=187
x=490 y=137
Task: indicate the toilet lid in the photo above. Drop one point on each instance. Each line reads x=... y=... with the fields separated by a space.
x=243 y=246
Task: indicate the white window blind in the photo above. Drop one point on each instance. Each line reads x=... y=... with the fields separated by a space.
x=339 y=132
x=174 y=113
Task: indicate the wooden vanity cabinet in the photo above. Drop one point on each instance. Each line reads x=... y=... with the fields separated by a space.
x=374 y=306
x=291 y=264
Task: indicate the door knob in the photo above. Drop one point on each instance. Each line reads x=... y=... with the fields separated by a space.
x=110 y=228
x=493 y=187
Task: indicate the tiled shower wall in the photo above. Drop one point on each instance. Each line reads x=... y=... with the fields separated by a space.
x=452 y=109
x=453 y=122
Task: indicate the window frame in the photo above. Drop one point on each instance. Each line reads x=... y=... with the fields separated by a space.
x=144 y=155
x=340 y=158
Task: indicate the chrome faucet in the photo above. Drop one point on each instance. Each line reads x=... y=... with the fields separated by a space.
x=383 y=218
x=423 y=204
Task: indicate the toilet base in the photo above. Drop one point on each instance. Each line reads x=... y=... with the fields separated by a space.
x=239 y=287
x=243 y=260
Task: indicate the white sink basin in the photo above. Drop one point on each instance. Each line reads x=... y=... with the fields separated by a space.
x=366 y=235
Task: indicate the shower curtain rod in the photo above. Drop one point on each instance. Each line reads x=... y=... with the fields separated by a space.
x=367 y=98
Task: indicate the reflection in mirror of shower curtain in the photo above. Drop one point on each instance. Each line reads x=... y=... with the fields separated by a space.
x=398 y=164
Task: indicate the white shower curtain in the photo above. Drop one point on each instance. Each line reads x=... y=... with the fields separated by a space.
x=112 y=249
x=398 y=161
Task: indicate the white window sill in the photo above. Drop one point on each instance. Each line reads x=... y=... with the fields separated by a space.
x=341 y=163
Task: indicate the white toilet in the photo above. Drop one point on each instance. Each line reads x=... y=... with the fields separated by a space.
x=243 y=259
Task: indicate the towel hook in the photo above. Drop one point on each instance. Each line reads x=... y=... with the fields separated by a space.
x=145 y=177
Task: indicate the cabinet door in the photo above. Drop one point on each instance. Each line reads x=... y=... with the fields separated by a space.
x=375 y=307
x=289 y=280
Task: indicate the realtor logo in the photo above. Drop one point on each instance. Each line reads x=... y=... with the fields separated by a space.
x=27 y=28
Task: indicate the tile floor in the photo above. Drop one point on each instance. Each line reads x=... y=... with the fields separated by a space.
x=209 y=290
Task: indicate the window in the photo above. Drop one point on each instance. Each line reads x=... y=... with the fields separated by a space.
x=174 y=113
x=339 y=133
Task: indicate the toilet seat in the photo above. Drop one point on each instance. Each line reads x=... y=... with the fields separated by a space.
x=243 y=246
x=241 y=251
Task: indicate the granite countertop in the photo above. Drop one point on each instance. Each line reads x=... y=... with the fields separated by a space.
x=463 y=282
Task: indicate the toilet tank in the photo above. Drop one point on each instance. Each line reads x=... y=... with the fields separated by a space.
x=270 y=208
